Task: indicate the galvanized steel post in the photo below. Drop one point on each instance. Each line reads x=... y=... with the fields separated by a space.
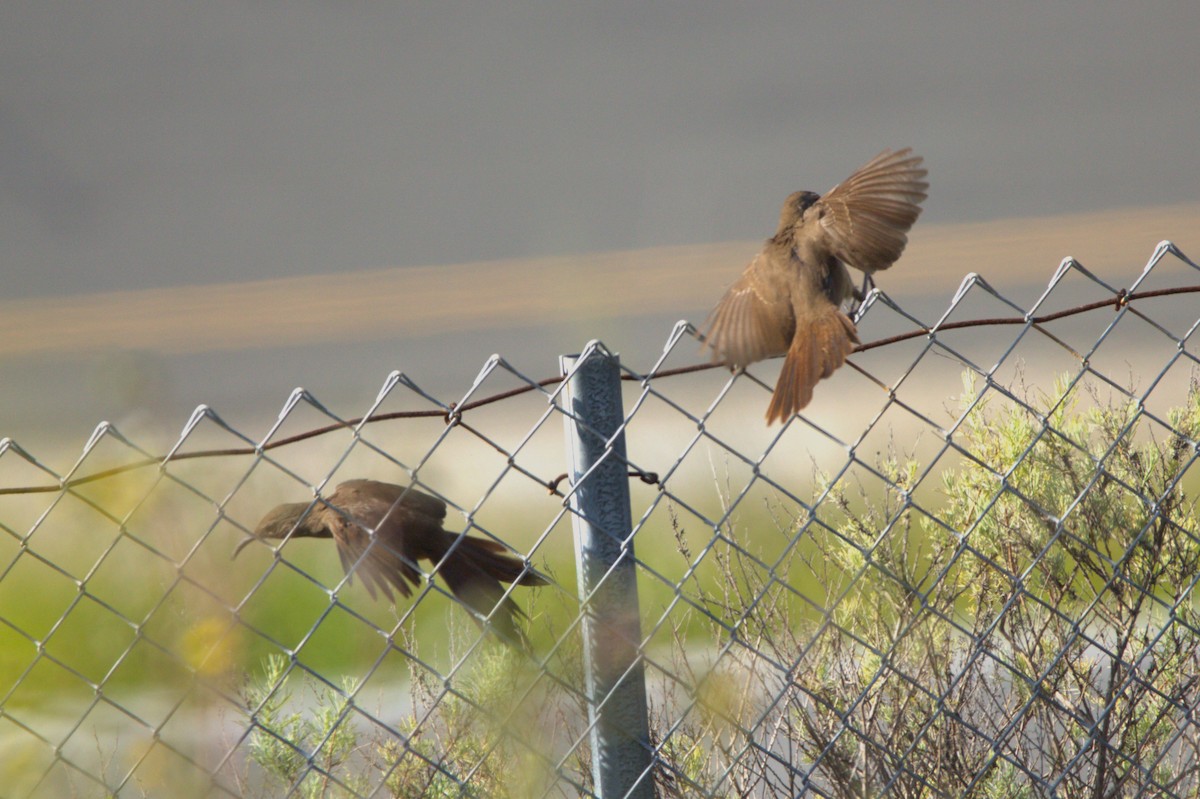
x=613 y=668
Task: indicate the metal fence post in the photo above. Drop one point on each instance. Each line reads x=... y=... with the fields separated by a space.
x=613 y=669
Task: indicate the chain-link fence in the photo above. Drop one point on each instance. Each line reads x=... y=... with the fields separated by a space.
x=968 y=569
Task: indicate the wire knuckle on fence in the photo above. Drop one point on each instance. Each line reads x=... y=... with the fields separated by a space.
x=969 y=568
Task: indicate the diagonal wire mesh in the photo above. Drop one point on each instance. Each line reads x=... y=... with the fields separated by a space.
x=969 y=568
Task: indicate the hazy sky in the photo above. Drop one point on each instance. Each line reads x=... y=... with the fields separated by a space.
x=151 y=145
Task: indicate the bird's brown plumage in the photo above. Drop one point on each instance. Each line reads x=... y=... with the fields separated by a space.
x=382 y=530
x=788 y=300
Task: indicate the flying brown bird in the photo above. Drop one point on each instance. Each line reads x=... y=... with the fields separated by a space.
x=382 y=530
x=789 y=298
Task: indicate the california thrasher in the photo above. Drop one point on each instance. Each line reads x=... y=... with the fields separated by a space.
x=788 y=300
x=382 y=530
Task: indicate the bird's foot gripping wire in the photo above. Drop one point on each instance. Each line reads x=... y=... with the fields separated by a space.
x=860 y=296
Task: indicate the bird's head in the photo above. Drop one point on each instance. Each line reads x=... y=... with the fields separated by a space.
x=794 y=207
x=281 y=521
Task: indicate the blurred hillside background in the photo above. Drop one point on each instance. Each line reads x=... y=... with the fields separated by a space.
x=217 y=203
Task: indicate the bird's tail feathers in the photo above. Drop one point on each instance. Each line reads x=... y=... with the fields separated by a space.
x=818 y=348
x=474 y=569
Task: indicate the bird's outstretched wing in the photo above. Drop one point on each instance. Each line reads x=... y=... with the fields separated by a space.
x=867 y=216
x=755 y=318
x=383 y=521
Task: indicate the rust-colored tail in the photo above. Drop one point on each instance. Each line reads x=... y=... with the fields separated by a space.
x=473 y=571
x=819 y=346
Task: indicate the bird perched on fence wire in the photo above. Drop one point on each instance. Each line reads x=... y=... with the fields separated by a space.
x=382 y=530
x=788 y=300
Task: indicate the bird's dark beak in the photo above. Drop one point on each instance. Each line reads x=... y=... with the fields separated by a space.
x=242 y=546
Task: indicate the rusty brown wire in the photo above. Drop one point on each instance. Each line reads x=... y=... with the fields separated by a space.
x=453 y=413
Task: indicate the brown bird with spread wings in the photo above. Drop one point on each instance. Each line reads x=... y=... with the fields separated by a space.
x=788 y=301
x=382 y=530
